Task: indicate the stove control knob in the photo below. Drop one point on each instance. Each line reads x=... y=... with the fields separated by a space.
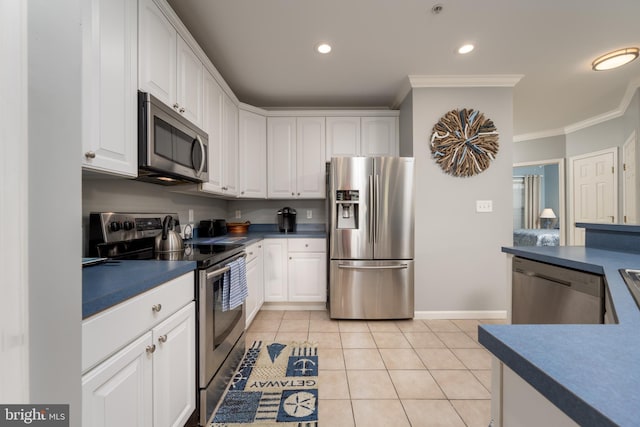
x=114 y=226
x=127 y=225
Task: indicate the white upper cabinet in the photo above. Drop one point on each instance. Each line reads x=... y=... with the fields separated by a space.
x=253 y=153
x=343 y=137
x=295 y=161
x=189 y=89
x=362 y=136
x=109 y=82
x=213 y=97
x=169 y=69
x=230 y=146
x=379 y=136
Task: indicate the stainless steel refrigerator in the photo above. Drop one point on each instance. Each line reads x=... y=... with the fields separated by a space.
x=371 y=226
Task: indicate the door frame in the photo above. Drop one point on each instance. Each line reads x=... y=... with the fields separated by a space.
x=571 y=210
x=561 y=190
x=630 y=140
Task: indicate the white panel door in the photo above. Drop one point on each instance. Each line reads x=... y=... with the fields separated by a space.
x=213 y=98
x=252 y=142
x=594 y=190
x=230 y=146
x=630 y=207
x=189 y=83
x=307 y=276
x=310 y=154
x=275 y=270
x=379 y=136
x=109 y=86
x=157 y=53
x=281 y=157
x=343 y=137
x=174 y=368
x=119 y=391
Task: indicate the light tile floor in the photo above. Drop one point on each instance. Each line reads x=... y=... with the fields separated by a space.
x=419 y=373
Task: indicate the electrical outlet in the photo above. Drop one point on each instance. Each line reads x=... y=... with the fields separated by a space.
x=190 y=215
x=484 y=205
x=238 y=213
x=309 y=214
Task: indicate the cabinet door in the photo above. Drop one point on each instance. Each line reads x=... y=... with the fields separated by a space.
x=230 y=146
x=343 y=137
x=189 y=83
x=281 y=157
x=310 y=162
x=118 y=392
x=157 y=48
x=307 y=276
x=275 y=270
x=253 y=154
x=174 y=368
x=109 y=83
x=255 y=281
x=212 y=124
x=379 y=136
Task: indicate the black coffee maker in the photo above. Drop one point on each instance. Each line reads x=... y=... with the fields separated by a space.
x=287 y=220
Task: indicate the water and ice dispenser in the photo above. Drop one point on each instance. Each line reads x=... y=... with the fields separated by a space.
x=348 y=207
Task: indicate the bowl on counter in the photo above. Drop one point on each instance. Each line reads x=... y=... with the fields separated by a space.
x=238 y=227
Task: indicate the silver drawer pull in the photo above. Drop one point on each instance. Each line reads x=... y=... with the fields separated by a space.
x=156 y=308
x=162 y=338
x=90 y=155
x=151 y=348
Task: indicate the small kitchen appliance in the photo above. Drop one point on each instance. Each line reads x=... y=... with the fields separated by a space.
x=212 y=228
x=219 y=334
x=169 y=240
x=287 y=220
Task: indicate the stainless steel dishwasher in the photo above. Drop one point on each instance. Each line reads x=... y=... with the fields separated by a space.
x=547 y=294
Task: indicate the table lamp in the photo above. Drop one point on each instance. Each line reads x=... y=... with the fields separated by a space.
x=546 y=218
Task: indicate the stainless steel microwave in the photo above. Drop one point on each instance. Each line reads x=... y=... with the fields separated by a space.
x=171 y=149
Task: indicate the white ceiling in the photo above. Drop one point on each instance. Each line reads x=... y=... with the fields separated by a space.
x=264 y=49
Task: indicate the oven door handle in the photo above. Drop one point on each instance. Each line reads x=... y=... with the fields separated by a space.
x=223 y=270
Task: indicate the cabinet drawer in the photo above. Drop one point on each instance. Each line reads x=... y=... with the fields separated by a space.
x=307 y=245
x=253 y=251
x=112 y=329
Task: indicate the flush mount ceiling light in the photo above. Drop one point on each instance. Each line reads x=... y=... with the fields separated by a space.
x=466 y=48
x=323 y=48
x=615 y=59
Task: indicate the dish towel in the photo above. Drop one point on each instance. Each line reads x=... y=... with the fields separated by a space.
x=234 y=285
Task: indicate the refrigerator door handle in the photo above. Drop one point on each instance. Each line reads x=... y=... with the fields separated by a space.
x=371 y=205
x=373 y=267
x=377 y=209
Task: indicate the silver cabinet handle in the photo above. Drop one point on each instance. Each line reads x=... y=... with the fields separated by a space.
x=90 y=155
x=293 y=194
x=250 y=253
x=298 y=194
x=162 y=338
x=176 y=106
x=182 y=110
x=290 y=258
x=373 y=267
x=204 y=155
x=306 y=245
x=156 y=308
x=242 y=192
x=151 y=348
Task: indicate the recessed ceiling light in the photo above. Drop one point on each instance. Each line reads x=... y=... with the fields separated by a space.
x=323 y=47
x=465 y=48
x=615 y=59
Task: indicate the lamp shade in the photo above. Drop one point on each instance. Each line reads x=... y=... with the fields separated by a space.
x=547 y=213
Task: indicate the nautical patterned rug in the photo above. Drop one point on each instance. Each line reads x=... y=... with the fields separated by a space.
x=275 y=385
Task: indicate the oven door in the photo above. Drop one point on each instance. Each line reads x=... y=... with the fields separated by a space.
x=219 y=330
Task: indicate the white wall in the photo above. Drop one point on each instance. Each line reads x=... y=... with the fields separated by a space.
x=55 y=282
x=406 y=127
x=459 y=263
x=264 y=211
x=553 y=147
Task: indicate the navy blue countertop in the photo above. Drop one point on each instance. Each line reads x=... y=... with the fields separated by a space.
x=590 y=372
x=108 y=284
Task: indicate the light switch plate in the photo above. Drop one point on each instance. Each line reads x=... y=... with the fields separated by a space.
x=238 y=213
x=309 y=214
x=484 y=205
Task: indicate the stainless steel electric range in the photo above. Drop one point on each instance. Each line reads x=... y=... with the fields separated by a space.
x=219 y=334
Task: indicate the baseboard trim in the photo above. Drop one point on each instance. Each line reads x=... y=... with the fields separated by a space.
x=287 y=306
x=467 y=314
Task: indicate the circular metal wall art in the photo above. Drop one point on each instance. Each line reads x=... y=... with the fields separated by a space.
x=464 y=142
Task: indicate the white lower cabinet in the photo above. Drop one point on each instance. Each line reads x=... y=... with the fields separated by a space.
x=255 y=281
x=150 y=380
x=295 y=270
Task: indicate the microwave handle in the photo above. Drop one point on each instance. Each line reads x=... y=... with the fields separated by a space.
x=203 y=157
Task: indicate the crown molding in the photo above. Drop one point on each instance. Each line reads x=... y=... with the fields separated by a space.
x=539 y=135
x=488 y=80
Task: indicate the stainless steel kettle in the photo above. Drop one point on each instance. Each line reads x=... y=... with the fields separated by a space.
x=169 y=240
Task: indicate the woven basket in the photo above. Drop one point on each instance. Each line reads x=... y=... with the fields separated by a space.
x=238 y=227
